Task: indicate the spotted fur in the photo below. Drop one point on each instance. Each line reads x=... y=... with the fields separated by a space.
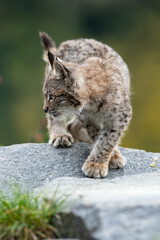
x=90 y=81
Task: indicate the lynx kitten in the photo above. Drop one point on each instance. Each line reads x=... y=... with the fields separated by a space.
x=88 y=80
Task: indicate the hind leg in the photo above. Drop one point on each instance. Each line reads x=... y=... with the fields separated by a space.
x=78 y=131
x=117 y=160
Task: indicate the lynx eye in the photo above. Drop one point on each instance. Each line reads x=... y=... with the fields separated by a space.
x=50 y=98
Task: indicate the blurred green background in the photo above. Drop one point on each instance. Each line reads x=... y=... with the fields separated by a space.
x=132 y=28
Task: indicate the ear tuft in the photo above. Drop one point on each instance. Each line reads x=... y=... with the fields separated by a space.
x=51 y=58
x=47 y=42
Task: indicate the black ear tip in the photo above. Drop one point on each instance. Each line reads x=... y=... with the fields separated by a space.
x=44 y=38
x=46 y=41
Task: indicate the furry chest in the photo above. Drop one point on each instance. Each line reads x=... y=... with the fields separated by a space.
x=92 y=114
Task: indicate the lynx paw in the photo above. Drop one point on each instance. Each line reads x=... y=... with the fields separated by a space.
x=94 y=169
x=61 y=141
x=117 y=160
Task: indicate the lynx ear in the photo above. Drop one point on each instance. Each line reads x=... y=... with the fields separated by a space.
x=46 y=41
x=60 y=68
x=51 y=58
x=48 y=45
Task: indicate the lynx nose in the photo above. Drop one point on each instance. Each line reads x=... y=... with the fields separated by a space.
x=45 y=109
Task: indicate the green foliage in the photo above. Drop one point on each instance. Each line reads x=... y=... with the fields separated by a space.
x=23 y=216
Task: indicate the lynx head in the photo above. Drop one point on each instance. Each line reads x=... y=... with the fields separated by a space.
x=59 y=97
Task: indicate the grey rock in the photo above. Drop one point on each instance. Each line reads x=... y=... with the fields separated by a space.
x=124 y=205
x=34 y=164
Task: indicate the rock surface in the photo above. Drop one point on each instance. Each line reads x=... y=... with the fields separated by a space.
x=125 y=205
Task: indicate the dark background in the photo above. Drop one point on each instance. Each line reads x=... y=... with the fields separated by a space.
x=132 y=28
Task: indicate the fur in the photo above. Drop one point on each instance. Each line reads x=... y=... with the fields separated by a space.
x=90 y=81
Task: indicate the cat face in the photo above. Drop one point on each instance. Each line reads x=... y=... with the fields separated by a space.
x=59 y=99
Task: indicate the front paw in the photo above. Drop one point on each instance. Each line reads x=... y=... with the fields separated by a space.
x=95 y=169
x=117 y=160
x=61 y=140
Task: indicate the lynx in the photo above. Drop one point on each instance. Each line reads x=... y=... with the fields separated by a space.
x=89 y=81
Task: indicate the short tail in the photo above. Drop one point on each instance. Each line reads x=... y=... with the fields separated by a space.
x=48 y=44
